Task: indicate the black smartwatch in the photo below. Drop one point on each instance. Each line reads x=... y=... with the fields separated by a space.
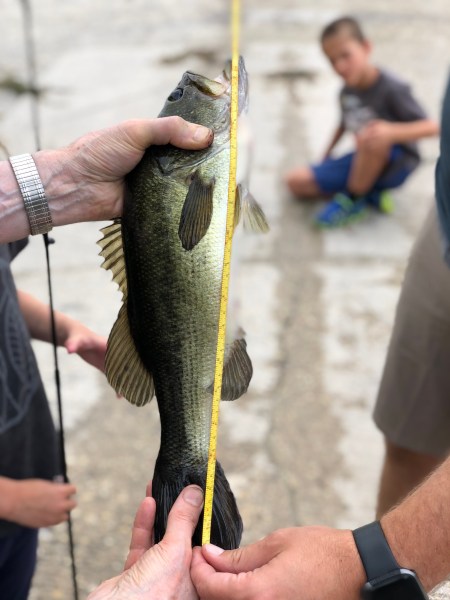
x=386 y=580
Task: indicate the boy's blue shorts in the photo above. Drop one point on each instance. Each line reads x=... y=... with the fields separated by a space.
x=332 y=174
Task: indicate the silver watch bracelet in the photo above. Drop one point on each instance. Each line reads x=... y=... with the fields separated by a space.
x=33 y=194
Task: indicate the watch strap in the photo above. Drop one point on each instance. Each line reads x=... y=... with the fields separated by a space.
x=374 y=550
x=33 y=194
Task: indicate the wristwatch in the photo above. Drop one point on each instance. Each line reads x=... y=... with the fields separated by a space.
x=386 y=580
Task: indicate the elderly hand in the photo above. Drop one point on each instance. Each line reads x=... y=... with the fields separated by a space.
x=85 y=181
x=161 y=571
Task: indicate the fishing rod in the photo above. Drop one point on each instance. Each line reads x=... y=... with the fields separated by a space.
x=30 y=53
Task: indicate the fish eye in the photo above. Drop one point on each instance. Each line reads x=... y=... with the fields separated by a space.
x=176 y=94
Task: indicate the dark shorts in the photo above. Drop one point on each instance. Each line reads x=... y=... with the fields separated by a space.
x=332 y=174
x=17 y=563
x=413 y=404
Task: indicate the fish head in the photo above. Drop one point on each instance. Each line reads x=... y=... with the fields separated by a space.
x=206 y=101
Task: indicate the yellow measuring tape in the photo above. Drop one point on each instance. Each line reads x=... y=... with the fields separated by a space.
x=209 y=491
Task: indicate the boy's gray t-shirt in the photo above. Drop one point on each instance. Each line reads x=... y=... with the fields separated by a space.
x=389 y=99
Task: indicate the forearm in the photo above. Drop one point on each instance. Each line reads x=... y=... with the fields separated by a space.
x=413 y=130
x=417 y=530
x=62 y=190
x=37 y=318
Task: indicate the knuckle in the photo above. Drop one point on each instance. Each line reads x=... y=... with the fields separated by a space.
x=177 y=121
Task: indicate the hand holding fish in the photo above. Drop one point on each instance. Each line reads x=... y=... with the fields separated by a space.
x=84 y=181
x=300 y=562
x=161 y=571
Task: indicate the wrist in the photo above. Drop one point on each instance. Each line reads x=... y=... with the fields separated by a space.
x=9 y=489
x=355 y=569
x=62 y=189
x=401 y=536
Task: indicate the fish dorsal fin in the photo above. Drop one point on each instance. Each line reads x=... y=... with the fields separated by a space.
x=112 y=252
x=197 y=212
x=252 y=214
x=124 y=368
x=237 y=370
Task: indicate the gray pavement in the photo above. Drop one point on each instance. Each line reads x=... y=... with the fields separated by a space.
x=300 y=447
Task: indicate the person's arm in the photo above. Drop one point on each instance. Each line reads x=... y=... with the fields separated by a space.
x=84 y=181
x=313 y=562
x=73 y=335
x=35 y=502
x=390 y=133
x=417 y=530
x=339 y=132
x=412 y=131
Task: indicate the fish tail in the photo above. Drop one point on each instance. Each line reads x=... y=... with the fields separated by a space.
x=226 y=525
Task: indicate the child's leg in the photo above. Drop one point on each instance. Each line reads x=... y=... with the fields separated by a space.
x=322 y=179
x=367 y=166
x=302 y=183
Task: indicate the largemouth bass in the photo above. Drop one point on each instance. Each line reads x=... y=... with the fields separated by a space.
x=166 y=254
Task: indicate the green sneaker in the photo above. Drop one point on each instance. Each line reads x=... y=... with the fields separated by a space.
x=382 y=201
x=340 y=211
x=386 y=203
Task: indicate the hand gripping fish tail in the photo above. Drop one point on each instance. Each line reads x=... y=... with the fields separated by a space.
x=226 y=525
x=166 y=255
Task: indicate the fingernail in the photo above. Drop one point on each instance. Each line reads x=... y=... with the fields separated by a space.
x=193 y=495
x=211 y=549
x=203 y=134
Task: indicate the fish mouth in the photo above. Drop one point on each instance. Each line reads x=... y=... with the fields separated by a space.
x=210 y=87
x=225 y=79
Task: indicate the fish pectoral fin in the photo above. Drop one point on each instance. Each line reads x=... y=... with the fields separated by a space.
x=197 y=212
x=112 y=251
x=253 y=216
x=237 y=371
x=124 y=368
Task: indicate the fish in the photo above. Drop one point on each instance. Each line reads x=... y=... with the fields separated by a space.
x=166 y=254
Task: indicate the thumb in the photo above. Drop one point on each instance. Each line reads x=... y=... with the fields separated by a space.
x=240 y=560
x=184 y=515
x=167 y=130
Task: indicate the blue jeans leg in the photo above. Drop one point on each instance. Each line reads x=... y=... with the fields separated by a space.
x=17 y=563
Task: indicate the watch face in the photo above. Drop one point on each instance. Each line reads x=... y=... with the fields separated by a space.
x=402 y=586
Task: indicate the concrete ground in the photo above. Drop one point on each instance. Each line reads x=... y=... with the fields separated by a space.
x=300 y=447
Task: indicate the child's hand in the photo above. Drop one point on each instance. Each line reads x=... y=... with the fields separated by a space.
x=39 y=503
x=375 y=135
x=90 y=346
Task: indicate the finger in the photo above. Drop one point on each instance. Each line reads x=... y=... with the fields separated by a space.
x=240 y=560
x=67 y=488
x=141 y=535
x=184 y=516
x=219 y=586
x=168 y=130
x=148 y=489
x=71 y=346
x=70 y=505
